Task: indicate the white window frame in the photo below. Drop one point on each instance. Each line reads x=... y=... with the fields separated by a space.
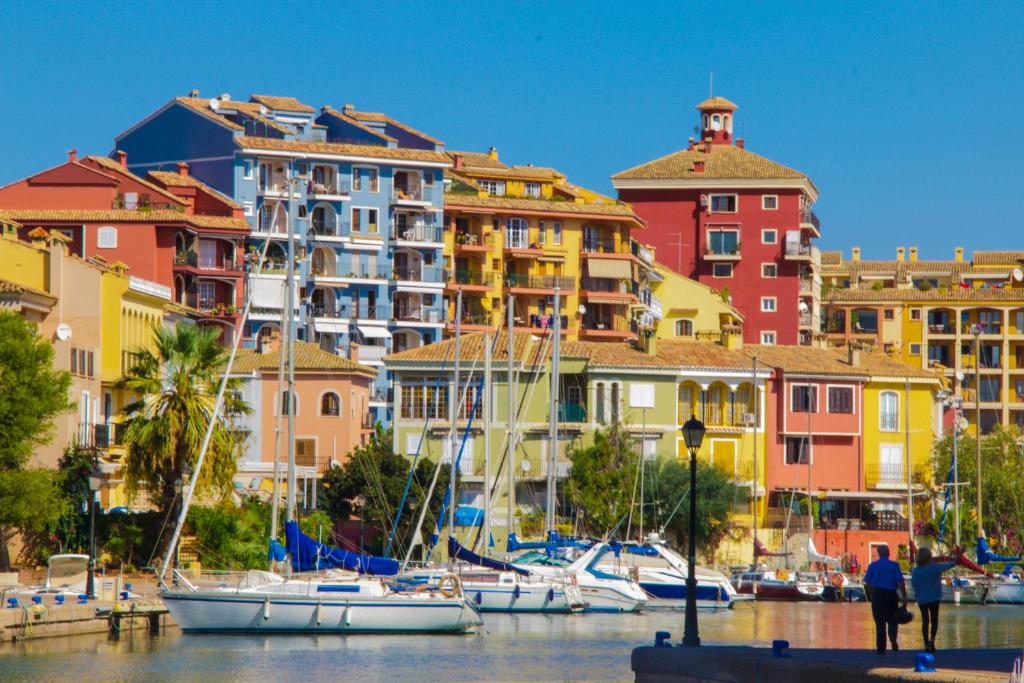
x=495 y=188
x=801 y=385
x=769 y=304
x=248 y=166
x=355 y=176
x=765 y=197
x=768 y=337
x=774 y=266
x=247 y=208
x=881 y=415
x=773 y=232
x=716 y=266
x=556 y=233
x=853 y=398
x=108 y=231
x=531 y=190
x=736 y=202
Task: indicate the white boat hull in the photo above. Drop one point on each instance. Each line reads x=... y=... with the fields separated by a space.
x=528 y=598
x=1005 y=593
x=219 y=611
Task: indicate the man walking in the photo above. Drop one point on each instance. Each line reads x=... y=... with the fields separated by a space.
x=884 y=584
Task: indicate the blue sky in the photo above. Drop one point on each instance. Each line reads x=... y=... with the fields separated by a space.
x=905 y=115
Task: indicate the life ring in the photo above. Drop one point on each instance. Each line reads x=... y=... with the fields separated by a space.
x=838 y=580
x=449 y=585
x=782 y=575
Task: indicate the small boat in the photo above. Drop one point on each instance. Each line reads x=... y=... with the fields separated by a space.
x=1004 y=589
x=601 y=591
x=838 y=587
x=779 y=584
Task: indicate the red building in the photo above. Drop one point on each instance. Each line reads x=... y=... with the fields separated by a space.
x=718 y=213
x=168 y=228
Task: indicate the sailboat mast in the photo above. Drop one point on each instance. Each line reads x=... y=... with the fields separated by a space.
x=510 y=452
x=275 y=505
x=906 y=440
x=453 y=414
x=812 y=403
x=956 y=474
x=553 y=421
x=487 y=442
x=977 y=420
x=290 y=344
x=753 y=390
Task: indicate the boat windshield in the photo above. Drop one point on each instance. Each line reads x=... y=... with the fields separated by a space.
x=536 y=557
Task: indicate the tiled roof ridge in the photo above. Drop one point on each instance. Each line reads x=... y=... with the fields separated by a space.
x=282 y=103
x=331 y=111
x=114 y=165
x=342 y=149
x=620 y=209
x=173 y=178
x=380 y=116
x=721 y=162
x=124 y=216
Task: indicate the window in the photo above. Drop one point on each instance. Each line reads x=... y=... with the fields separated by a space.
x=889 y=314
x=769 y=270
x=428 y=178
x=556 y=233
x=106 y=238
x=357 y=179
x=599 y=402
x=373 y=180
x=769 y=202
x=330 y=404
x=495 y=188
x=915 y=313
x=74 y=361
x=284 y=403
x=531 y=190
x=247 y=168
x=721 y=270
x=889 y=411
x=797 y=450
x=305 y=452
x=723 y=203
x=542 y=233
x=206 y=295
x=247 y=208
x=615 y=402
x=768 y=304
x=684 y=328
x=769 y=236
x=915 y=349
x=723 y=242
x=840 y=400
x=804 y=398
x=768 y=338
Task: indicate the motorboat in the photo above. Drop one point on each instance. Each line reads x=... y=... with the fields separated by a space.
x=602 y=591
x=493 y=590
x=1004 y=589
x=778 y=584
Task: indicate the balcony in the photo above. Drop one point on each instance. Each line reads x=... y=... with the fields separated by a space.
x=596 y=326
x=472 y=320
x=941 y=328
x=645 y=254
x=364 y=273
x=806 y=320
x=572 y=412
x=519 y=241
x=603 y=246
x=968 y=328
x=891 y=475
x=418 y=274
x=365 y=311
x=372 y=354
x=328 y=186
x=422 y=233
x=327 y=311
x=543 y=321
x=473 y=242
x=722 y=253
x=418 y=315
x=411 y=196
x=809 y=221
x=190 y=259
x=470 y=279
x=328 y=229
x=547 y=283
x=141 y=202
x=797 y=251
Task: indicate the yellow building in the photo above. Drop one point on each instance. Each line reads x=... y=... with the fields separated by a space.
x=939 y=313
x=687 y=308
x=527 y=231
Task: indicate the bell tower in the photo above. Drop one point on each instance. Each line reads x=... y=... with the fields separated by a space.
x=716 y=118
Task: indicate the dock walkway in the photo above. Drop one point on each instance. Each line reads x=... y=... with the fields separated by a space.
x=29 y=621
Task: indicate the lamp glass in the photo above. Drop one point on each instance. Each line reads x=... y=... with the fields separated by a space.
x=693 y=432
x=95 y=481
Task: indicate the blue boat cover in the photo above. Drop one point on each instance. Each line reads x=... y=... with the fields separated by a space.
x=456 y=550
x=467 y=515
x=986 y=555
x=308 y=555
x=554 y=542
x=277 y=551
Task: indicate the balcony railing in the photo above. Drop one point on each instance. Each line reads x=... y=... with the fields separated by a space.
x=603 y=246
x=366 y=273
x=372 y=353
x=941 y=328
x=326 y=311
x=329 y=229
x=470 y=277
x=329 y=186
x=806 y=319
x=611 y=286
x=544 y=321
x=473 y=318
x=800 y=249
x=808 y=216
x=417 y=233
x=602 y=324
x=518 y=239
x=984 y=328
x=143 y=203
x=539 y=281
x=473 y=239
x=572 y=412
x=885 y=474
x=412 y=194
x=372 y=311
x=418 y=274
x=643 y=253
x=419 y=315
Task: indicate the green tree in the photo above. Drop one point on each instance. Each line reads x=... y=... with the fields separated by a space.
x=176 y=385
x=32 y=394
x=602 y=477
x=370 y=484
x=669 y=482
x=1002 y=472
x=229 y=536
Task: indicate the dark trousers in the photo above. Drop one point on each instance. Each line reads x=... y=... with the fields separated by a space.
x=929 y=621
x=884 y=603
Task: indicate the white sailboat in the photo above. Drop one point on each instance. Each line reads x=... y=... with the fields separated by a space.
x=333 y=602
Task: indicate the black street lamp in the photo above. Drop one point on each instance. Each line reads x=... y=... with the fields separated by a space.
x=693 y=435
x=95 y=481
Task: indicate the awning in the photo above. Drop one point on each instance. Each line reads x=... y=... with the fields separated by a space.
x=591 y=299
x=551 y=259
x=270 y=292
x=332 y=326
x=608 y=267
x=848 y=495
x=371 y=332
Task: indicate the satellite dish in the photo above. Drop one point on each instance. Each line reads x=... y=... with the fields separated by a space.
x=63 y=332
x=1018 y=274
x=582 y=309
x=960 y=375
x=961 y=424
x=525 y=466
x=214 y=103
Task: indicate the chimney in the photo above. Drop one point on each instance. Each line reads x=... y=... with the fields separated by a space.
x=648 y=343
x=958 y=254
x=853 y=355
x=493 y=153
x=194 y=92
x=122 y=158
x=353 y=352
x=698 y=165
x=348 y=108
x=912 y=253
x=732 y=337
x=740 y=142
x=855 y=254
x=182 y=169
x=899 y=253
x=72 y=154
x=690 y=143
x=458 y=161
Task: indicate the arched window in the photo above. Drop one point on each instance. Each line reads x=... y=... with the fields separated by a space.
x=889 y=411
x=330 y=404
x=615 y=402
x=599 y=402
x=684 y=328
x=716 y=122
x=705 y=121
x=728 y=123
x=106 y=237
x=284 y=402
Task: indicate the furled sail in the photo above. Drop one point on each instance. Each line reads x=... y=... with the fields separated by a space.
x=309 y=555
x=456 y=550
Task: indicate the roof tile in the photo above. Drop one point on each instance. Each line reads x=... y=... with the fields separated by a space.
x=725 y=162
x=308 y=357
x=341 y=149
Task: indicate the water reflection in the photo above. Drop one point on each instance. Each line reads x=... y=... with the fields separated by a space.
x=512 y=647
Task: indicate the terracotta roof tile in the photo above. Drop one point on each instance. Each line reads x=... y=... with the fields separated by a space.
x=115 y=166
x=909 y=294
x=121 y=216
x=817 y=361
x=723 y=162
x=174 y=179
x=308 y=357
x=831 y=258
x=341 y=116
x=506 y=204
x=9 y=287
x=384 y=118
x=282 y=103
x=202 y=106
x=998 y=258
x=717 y=103
x=476 y=159
x=341 y=149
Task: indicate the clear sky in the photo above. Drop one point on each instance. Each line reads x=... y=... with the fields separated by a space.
x=905 y=115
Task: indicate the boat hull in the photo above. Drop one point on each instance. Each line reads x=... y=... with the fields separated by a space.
x=605 y=598
x=1009 y=593
x=789 y=592
x=212 y=611
x=664 y=594
x=528 y=598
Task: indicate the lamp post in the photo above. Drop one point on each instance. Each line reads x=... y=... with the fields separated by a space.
x=95 y=481
x=693 y=435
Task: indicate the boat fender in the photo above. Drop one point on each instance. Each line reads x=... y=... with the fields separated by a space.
x=479 y=597
x=661 y=639
x=924 y=662
x=634 y=573
x=779 y=648
x=551 y=595
x=782 y=575
x=573 y=580
x=266 y=608
x=319 y=613
x=838 y=580
x=346 y=616
x=515 y=592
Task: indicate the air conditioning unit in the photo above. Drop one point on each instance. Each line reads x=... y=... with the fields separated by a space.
x=749 y=420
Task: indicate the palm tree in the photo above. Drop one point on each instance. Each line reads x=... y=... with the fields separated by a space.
x=175 y=384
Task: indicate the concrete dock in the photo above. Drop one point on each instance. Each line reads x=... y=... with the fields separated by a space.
x=734 y=664
x=48 y=620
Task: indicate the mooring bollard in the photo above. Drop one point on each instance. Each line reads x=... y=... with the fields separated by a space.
x=37 y=599
x=59 y=599
x=661 y=639
x=12 y=603
x=924 y=662
x=126 y=592
x=83 y=599
x=779 y=648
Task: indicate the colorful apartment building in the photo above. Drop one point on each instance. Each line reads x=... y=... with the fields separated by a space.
x=841 y=423
x=361 y=194
x=724 y=216
x=651 y=392
x=525 y=231
x=332 y=397
x=169 y=229
x=965 y=317
x=690 y=308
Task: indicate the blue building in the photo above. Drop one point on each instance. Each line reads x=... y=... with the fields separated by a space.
x=368 y=199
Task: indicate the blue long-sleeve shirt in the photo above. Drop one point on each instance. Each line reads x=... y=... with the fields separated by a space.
x=884 y=573
x=927 y=581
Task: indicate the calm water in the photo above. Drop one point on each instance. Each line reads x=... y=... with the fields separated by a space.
x=513 y=648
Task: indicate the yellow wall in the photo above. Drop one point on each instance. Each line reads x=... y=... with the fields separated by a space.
x=683 y=298
x=921 y=423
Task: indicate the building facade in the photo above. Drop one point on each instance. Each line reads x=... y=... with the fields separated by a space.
x=736 y=221
x=359 y=192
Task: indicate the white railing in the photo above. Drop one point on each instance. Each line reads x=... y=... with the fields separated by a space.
x=138 y=284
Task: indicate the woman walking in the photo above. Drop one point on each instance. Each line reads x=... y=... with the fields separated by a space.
x=926 y=580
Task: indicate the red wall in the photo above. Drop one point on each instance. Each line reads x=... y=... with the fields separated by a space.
x=836 y=543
